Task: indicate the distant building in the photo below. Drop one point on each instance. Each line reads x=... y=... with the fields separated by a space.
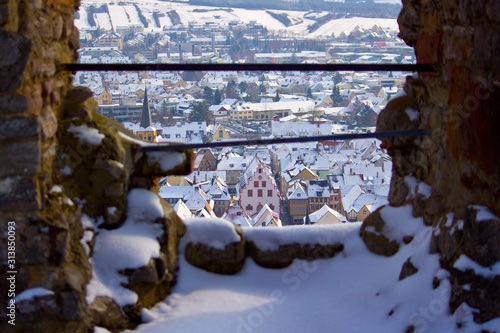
x=111 y=39
x=257 y=188
x=146 y=131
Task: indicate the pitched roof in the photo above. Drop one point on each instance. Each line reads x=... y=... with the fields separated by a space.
x=146 y=112
x=335 y=217
x=267 y=216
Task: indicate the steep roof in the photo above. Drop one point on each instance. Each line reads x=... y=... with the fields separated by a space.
x=332 y=216
x=238 y=215
x=146 y=112
x=267 y=216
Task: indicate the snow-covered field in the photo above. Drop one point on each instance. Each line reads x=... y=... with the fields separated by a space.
x=121 y=15
x=355 y=291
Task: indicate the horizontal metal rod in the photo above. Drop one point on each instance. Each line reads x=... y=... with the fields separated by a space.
x=250 y=67
x=216 y=144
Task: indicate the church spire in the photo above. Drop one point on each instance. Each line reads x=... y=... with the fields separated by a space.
x=146 y=113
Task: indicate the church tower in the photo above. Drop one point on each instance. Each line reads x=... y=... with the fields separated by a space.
x=146 y=130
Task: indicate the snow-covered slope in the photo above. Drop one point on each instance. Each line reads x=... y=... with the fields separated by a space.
x=123 y=13
x=355 y=291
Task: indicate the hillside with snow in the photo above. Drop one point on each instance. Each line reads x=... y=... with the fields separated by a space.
x=143 y=13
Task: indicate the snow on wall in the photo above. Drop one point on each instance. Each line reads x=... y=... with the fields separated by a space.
x=132 y=245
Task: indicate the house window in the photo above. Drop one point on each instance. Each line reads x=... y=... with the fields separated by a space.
x=149 y=137
x=250 y=193
x=255 y=184
x=271 y=206
x=140 y=136
x=249 y=207
x=269 y=193
x=260 y=170
x=259 y=193
x=364 y=211
x=259 y=208
x=293 y=209
x=263 y=184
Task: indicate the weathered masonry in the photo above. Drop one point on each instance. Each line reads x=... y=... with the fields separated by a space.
x=62 y=165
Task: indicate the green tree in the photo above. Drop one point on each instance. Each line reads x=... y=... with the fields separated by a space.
x=201 y=113
x=365 y=116
x=208 y=95
x=336 y=97
x=309 y=93
x=337 y=78
x=243 y=86
x=217 y=97
x=277 y=97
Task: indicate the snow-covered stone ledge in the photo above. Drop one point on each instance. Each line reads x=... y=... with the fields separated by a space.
x=219 y=246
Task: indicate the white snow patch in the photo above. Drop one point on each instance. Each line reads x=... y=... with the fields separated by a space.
x=412 y=113
x=66 y=170
x=214 y=232
x=272 y=238
x=100 y=330
x=111 y=210
x=484 y=214
x=56 y=189
x=31 y=294
x=132 y=245
x=167 y=160
x=416 y=187
x=85 y=241
x=464 y=263
x=87 y=134
x=399 y=222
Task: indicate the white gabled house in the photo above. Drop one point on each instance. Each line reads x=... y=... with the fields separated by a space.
x=267 y=218
x=257 y=188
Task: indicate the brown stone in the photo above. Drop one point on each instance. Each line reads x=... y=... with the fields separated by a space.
x=14 y=55
x=4 y=14
x=19 y=194
x=13 y=104
x=286 y=254
x=48 y=124
x=230 y=260
x=408 y=269
x=105 y=313
x=23 y=158
x=372 y=234
x=19 y=128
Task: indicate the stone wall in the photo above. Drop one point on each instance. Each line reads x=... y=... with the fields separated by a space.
x=459 y=159
x=51 y=179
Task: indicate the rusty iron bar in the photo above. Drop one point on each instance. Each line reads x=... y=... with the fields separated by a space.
x=217 y=144
x=249 y=67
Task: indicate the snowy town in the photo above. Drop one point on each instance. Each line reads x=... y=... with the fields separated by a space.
x=274 y=185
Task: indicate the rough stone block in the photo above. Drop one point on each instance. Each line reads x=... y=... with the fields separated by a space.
x=18 y=128
x=408 y=269
x=4 y=14
x=230 y=260
x=19 y=194
x=21 y=158
x=13 y=104
x=48 y=124
x=14 y=56
x=375 y=240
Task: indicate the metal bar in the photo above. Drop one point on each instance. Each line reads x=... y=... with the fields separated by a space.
x=249 y=67
x=378 y=135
